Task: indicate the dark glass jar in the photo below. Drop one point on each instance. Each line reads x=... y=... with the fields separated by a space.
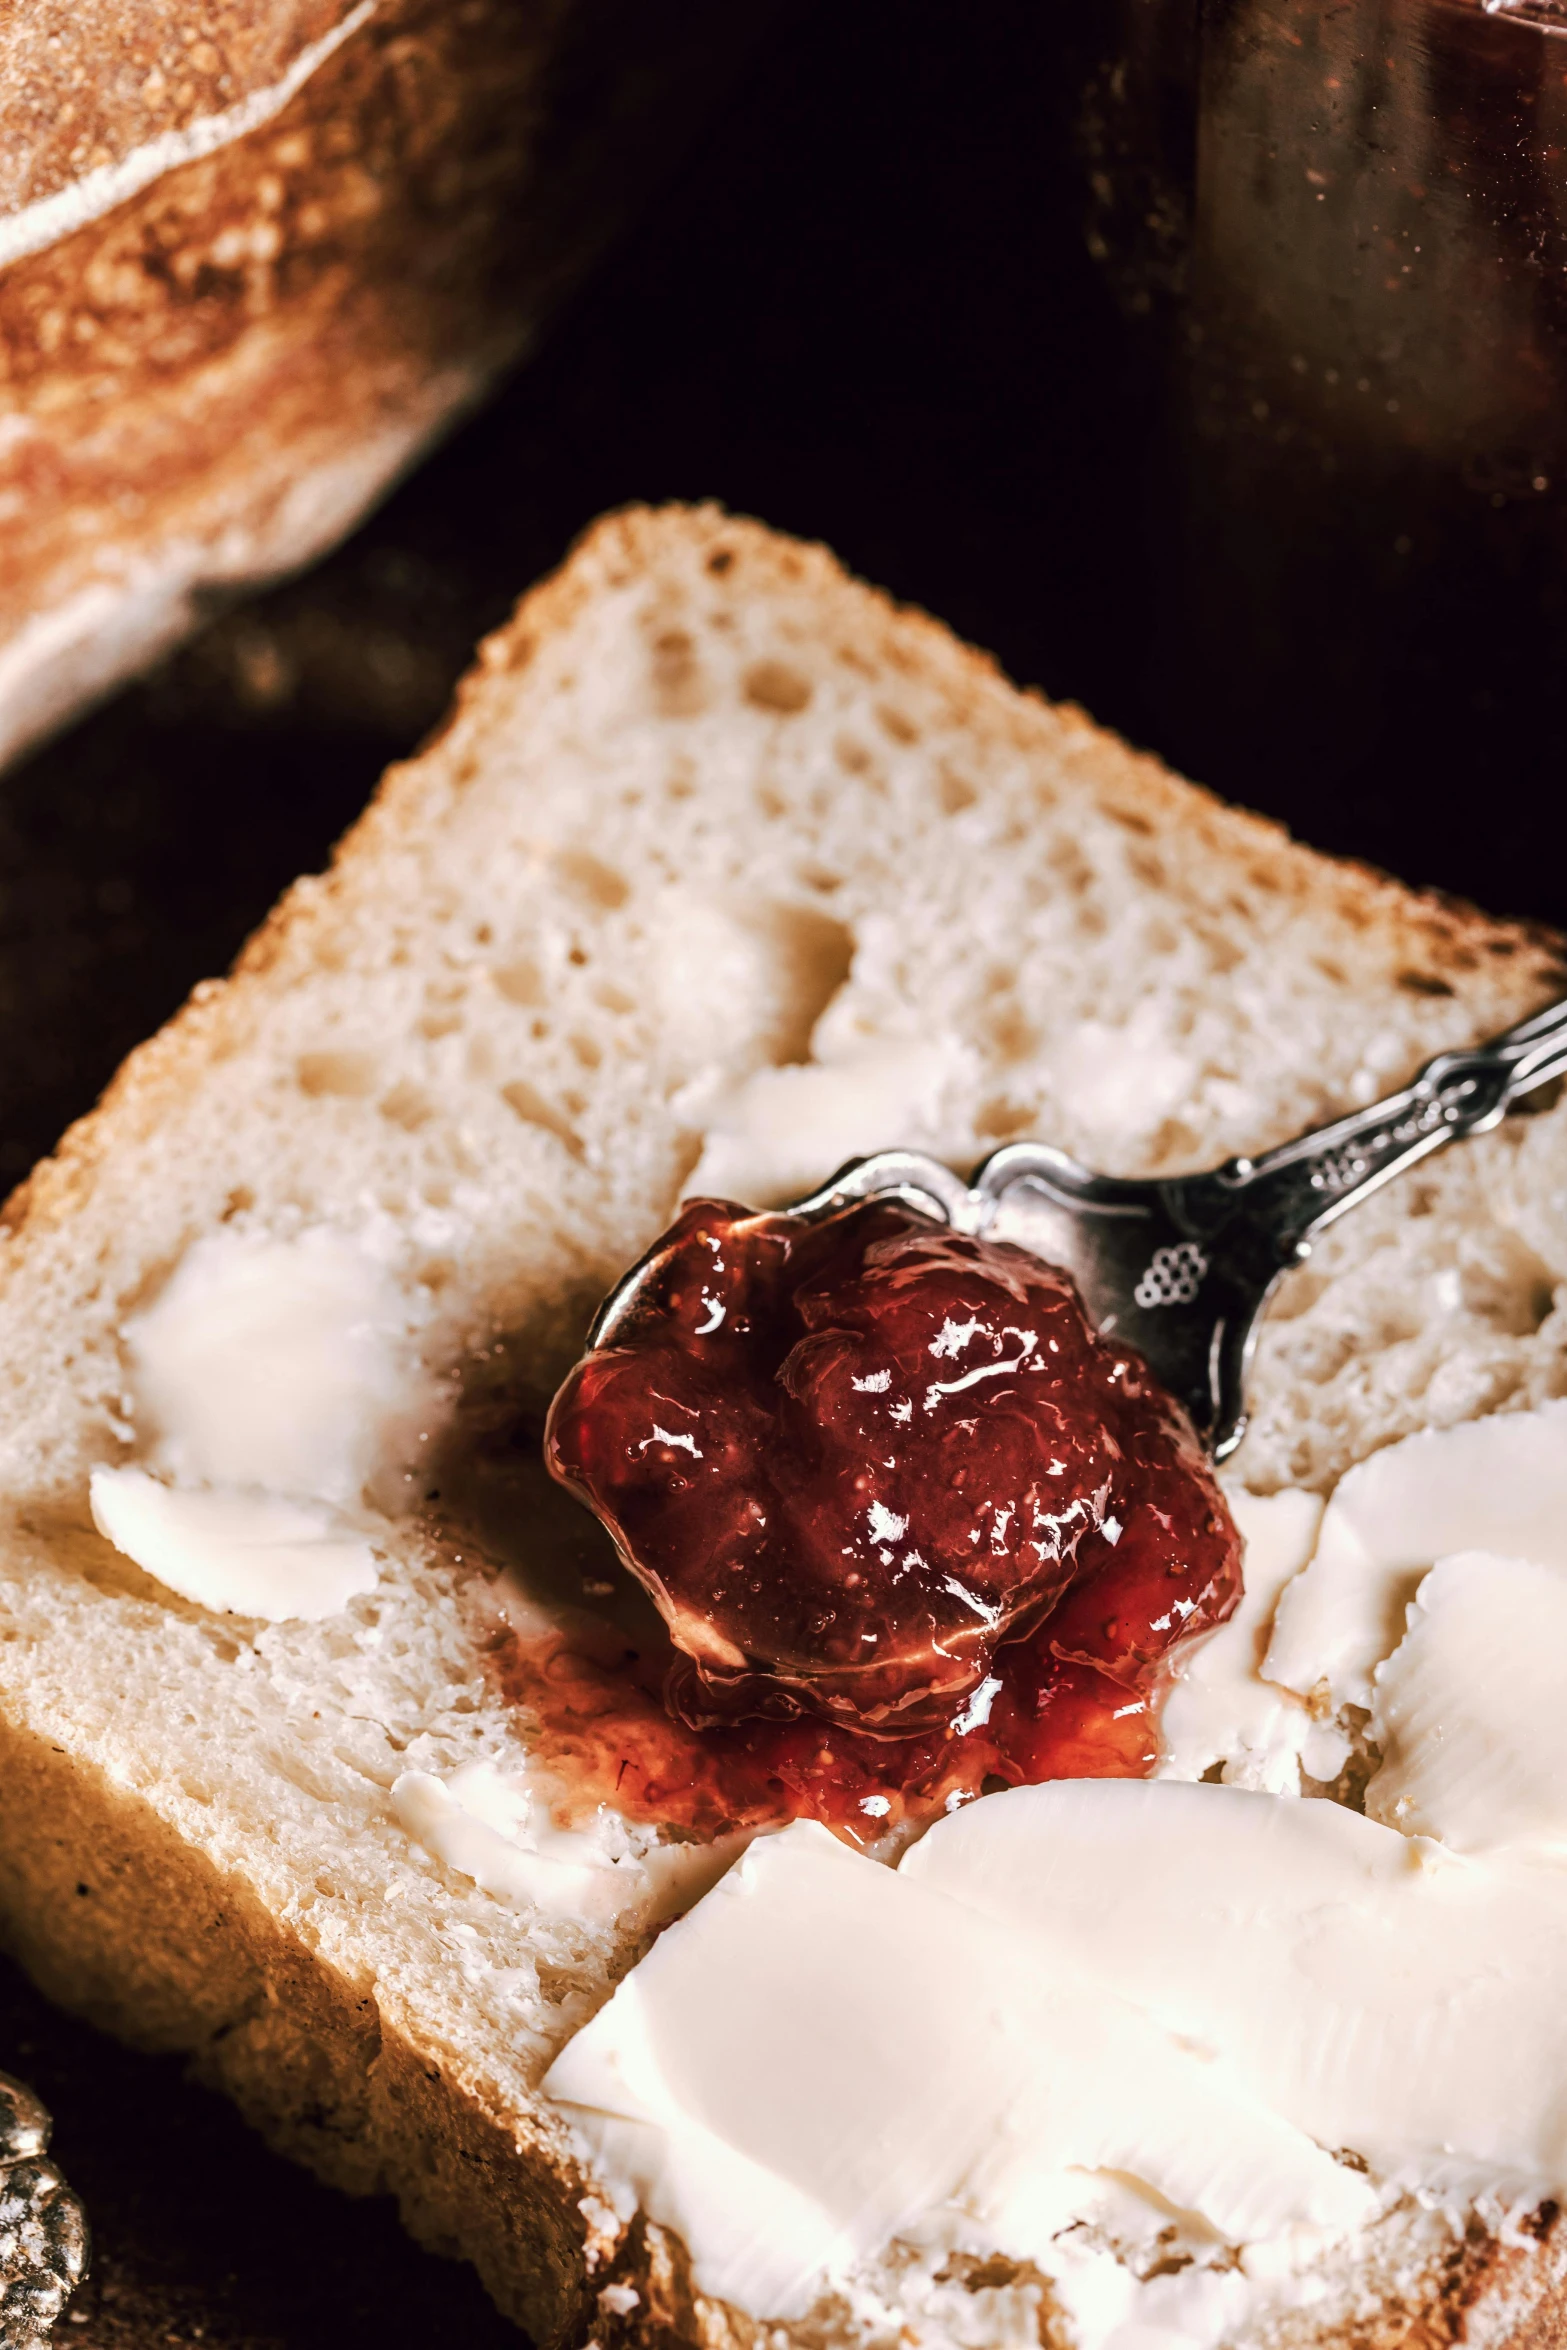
x=1344 y=225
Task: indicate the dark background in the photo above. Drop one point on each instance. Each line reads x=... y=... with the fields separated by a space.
x=864 y=311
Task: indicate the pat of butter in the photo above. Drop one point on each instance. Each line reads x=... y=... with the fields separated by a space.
x=1372 y=1989
x=275 y=1384
x=782 y=1132
x=1467 y=1713
x=1197 y=1988
x=1120 y=1082
x=1219 y=1709
x=1498 y=1484
x=878 y=2047
x=238 y=1552
x=495 y=1828
x=286 y=1364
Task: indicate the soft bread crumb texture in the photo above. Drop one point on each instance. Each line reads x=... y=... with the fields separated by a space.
x=706 y=806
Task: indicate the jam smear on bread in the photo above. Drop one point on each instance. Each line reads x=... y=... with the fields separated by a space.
x=911 y=1526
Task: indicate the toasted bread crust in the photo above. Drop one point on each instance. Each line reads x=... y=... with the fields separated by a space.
x=120 y=1921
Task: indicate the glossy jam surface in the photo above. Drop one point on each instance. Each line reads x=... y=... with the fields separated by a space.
x=910 y=1527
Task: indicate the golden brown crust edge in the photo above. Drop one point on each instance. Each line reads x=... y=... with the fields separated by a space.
x=170 y=79
x=123 y=1923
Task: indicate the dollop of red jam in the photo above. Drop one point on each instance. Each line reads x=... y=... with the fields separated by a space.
x=911 y=1526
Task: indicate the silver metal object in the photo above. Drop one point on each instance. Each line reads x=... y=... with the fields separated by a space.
x=1181 y=1266
x=43 y=2228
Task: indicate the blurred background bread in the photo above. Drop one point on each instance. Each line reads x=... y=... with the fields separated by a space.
x=254 y=257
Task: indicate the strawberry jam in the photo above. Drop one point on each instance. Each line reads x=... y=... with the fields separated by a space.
x=911 y=1527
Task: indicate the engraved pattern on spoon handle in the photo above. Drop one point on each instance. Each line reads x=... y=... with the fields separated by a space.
x=1298 y=1189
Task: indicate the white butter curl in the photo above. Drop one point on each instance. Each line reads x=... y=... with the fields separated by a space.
x=1218 y=1708
x=1468 y=1713
x=239 y=1553
x=496 y=1828
x=1498 y=1484
x=277 y=1395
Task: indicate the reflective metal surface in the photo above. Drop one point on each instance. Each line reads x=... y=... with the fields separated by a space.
x=1181 y=1266
x=43 y=2228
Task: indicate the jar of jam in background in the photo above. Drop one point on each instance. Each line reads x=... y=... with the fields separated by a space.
x=1339 y=230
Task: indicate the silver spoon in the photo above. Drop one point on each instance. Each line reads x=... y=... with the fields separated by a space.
x=1181 y=1266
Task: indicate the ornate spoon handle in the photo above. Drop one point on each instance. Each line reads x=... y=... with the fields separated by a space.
x=1304 y=1185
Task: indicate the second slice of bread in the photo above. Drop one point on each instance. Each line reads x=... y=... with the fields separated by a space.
x=710 y=818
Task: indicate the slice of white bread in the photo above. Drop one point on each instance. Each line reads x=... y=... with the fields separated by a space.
x=707 y=809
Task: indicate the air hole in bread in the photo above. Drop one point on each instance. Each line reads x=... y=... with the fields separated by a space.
x=892 y=721
x=239 y=1202
x=955 y=793
x=351 y=1074
x=520 y=982
x=992 y=2274
x=1009 y=1030
x=771 y=803
x=687 y=1152
x=812 y=957
x=1296 y=1294
x=720 y=561
x=1130 y=819
x=408 y=1106
x=1422 y=983
x=852 y=756
x=1503 y=1282
x=1001 y=1119
x=530 y=1106
x=614 y=999
x=821 y=879
x=589 y=879
x=1175 y=1145
x=776 y=685
x=679 y=688
x=1319 y=1355
x=587 y=1050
